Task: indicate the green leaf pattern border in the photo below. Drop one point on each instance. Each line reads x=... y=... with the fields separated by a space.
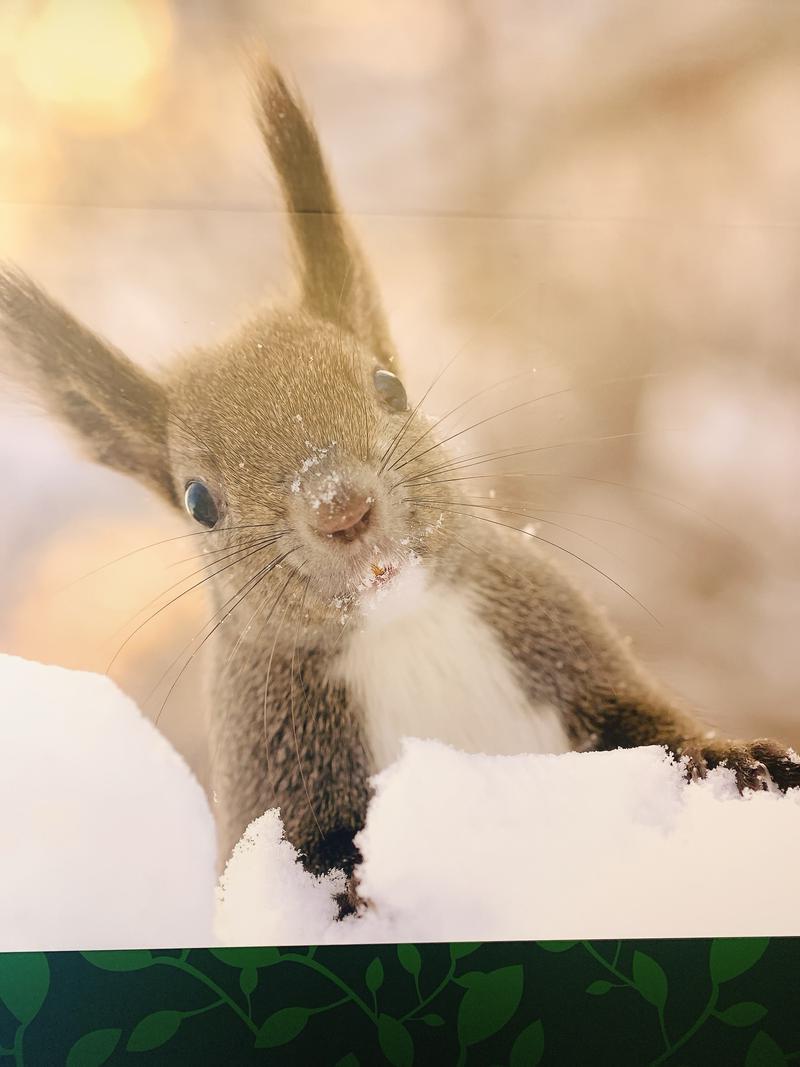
x=496 y=1003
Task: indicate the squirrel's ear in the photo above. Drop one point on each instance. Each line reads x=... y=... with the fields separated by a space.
x=337 y=284
x=117 y=411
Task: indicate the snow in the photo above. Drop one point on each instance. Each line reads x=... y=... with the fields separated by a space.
x=582 y=845
x=108 y=841
x=589 y=845
x=106 y=837
x=265 y=897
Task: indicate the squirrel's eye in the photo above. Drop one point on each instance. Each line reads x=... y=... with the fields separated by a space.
x=200 y=504
x=390 y=390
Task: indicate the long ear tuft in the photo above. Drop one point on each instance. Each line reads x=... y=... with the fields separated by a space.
x=117 y=411
x=337 y=284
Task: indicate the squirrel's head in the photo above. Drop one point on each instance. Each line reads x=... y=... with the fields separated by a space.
x=294 y=440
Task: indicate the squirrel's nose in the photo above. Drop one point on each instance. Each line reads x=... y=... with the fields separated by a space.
x=345 y=517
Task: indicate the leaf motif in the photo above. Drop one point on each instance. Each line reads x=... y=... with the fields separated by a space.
x=528 y=1049
x=432 y=1019
x=24 y=982
x=729 y=957
x=744 y=1014
x=93 y=1049
x=248 y=980
x=598 y=988
x=246 y=957
x=556 y=946
x=374 y=975
x=282 y=1027
x=470 y=979
x=488 y=1004
x=649 y=979
x=134 y=960
x=153 y=1031
x=348 y=1060
x=395 y=1041
x=463 y=948
x=410 y=959
x=764 y=1052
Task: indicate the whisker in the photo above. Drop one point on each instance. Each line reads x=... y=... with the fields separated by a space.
x=458 y=354
x=266 y=680
x=538 y=537
x=164 y=607
x=291 y=707
x=208 y=552
x=527 y=403
x=512 y=453
x=229 y=552
x=157 y=544
x=521 y=515
x=252 y=618
x=599 y=481
x=577 y=515
x=330 y=653
x=387 y=455
x=249 y=586
x=458 y=407
x=270 y=566
x=342 y=629
x=457 y=463
x=454 y=463
x=354 y=358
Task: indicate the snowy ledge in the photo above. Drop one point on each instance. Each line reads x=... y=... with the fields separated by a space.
x=108 y=841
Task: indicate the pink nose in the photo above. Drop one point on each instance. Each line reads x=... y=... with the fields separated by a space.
x=346 y=517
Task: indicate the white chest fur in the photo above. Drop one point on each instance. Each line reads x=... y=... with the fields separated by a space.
x=423 y=664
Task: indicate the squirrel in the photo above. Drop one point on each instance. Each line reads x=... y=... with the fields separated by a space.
x=365 y=604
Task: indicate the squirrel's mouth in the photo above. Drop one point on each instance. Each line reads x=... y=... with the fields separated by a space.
x=354 y=530
x=392 y=593
x=381 y=575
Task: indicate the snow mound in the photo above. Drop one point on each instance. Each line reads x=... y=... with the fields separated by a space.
x=588 y=845
x=583 y=845
x=106 y=837
x=108 y=842
x=266 y=898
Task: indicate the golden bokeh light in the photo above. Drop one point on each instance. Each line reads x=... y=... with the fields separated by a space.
x=96 y=61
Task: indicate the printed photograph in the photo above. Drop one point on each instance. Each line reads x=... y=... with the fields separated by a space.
x=399 y=436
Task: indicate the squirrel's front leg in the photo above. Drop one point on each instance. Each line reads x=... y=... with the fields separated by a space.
x=296 y=745
x=754 y=763
x=627 y=724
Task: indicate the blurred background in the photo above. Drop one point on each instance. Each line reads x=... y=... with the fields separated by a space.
x=604 y=194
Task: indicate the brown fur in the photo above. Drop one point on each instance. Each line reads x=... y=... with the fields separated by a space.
x=289 y=402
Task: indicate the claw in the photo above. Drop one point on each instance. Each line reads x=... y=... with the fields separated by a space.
x=753 y=776
x=756 y=765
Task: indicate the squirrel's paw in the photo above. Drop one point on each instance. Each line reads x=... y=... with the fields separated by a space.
x=349 y=901
x=754 y=763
